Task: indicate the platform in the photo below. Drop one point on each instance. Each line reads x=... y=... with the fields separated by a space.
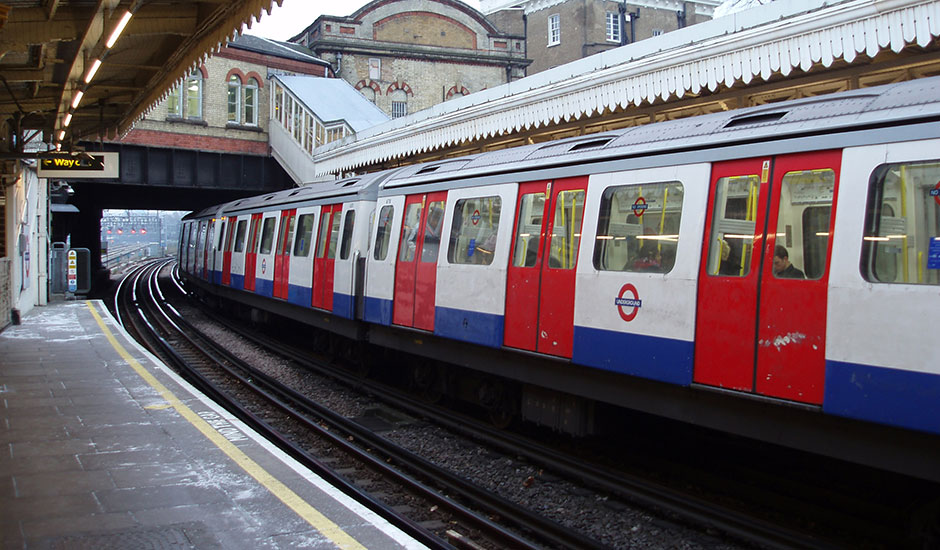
x=102 y=446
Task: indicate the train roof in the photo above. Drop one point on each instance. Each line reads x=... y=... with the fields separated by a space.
x=364 y=187
x=905 y=102
x=209 y=212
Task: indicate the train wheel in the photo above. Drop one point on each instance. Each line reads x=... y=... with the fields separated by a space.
x=498 y=401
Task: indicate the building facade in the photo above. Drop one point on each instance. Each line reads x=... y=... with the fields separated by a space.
x=561 y=31
x=409 y=55
x=224 y=105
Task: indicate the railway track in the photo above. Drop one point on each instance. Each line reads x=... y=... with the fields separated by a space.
x=444 y=511
x=722 y=515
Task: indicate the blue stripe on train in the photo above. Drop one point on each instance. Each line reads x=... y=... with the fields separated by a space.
x=378 y=310
x=663 y=359
x=343 y=305
x=238 y=281
x=300 y=295
x=485 y=329
x=888 y=396
x=264 y=287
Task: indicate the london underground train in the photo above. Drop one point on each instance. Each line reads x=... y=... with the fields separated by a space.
x=772 y=272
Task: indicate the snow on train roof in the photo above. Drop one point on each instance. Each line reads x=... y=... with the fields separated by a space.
x=893 y=102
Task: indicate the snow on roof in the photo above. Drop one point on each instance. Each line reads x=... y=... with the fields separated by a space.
x=334 y=100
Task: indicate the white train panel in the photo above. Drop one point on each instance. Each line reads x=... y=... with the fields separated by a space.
x=380 y=267
x=635 y=302
x=471 y=271
x=881 y=357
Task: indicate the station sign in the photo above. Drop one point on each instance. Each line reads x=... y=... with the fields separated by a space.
x=73 y=271
x=90 y=165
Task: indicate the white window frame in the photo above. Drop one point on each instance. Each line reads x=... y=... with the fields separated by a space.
x=233 y=91
x=614 y=28
x=251 y=119
x=554 y=30
x=174 y=103
x=375 y=68
x=195 y=78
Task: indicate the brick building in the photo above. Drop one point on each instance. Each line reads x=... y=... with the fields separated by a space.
x=560 y=31
x=408 y=55
x=224 y=105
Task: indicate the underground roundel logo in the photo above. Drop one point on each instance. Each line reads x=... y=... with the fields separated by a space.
x=264 y=265
x=935 y=192
x=628 y=302
x=639 y=207
x=475 y=217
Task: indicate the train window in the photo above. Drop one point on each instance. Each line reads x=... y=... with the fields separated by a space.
x=638 y=227
x=304 y=235
x=285 y=235
x=384 y=233
x=805 y=204
x=409 y=232
x=566 y=229
x=474 y=230
x=221 y=237
x=267 y=235
x=529 y=231
x=348 y=225
x=324 y=233
x=432 y=232
x=902 y=225
x=334 y=236
x=240 y=235
x=253 y=235
x=731 y=246
x=230 y=236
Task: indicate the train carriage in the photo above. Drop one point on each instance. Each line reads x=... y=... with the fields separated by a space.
x=773 y=266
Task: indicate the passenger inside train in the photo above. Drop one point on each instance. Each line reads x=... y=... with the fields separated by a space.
x=783 y=269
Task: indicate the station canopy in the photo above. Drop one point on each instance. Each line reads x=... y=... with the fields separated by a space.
x=63 y=78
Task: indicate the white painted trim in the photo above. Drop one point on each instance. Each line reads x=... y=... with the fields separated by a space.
x=756 y=44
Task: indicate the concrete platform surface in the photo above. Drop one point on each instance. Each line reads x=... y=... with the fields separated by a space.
x=102 y=446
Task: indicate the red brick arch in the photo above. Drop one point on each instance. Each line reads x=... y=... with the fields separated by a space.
x=403 y=86
x=256 y=76
x=366 y=83
x=454 y=91
x=237 y=72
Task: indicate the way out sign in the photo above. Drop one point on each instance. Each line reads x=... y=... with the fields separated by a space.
x=90 y=165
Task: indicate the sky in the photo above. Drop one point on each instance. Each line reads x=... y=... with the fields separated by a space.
x=294 y=16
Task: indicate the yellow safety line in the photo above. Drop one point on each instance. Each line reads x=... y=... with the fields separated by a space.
x=293 y=501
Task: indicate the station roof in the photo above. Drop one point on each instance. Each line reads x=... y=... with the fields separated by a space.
x=49 y=47
x=334 y=100
x=765 y=43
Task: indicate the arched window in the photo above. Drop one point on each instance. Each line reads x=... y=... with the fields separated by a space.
x=192 y=106
x=185 y=100
x=174 y=107
x=399 y=101
x=251 y=102
x=369 y=93
x=234 y=98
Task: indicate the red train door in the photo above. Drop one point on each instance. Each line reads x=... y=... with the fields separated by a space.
x=282 y=253
x=766 y=257
x=227 y=251
x=525 y=267
x=326 y=252
x=251 y=252
x=545 y=287
x=416 y=269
